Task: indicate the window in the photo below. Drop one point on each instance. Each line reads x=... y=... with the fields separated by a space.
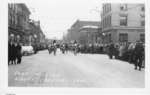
x=123 y=7
x=108 y=7
x=104 y=23
x=123 y=37
x=142 y=8
x=104 y=9
x=12 y=19
x=142 y=23
x=123 y=20
x=142 y=37
x=109 y=20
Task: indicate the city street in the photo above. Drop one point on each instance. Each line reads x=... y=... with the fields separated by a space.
x=68 y=70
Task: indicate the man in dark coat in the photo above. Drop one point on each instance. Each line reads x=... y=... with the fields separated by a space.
x=138 y=51
x=111 y=51
x=14 y=48
x=10 y=52
x=18 y=54
x=10 y=49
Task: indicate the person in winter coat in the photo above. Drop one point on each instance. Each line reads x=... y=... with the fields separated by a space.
x=18 y=53
x=131 y=53
x=111 y=51
x=139 y=50
x=10 y=52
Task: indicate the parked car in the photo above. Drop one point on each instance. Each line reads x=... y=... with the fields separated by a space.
x=27 y=50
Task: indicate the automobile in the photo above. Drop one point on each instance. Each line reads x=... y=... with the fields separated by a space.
x=27 y=50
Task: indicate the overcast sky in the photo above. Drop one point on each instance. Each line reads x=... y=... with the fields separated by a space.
x=56 y=16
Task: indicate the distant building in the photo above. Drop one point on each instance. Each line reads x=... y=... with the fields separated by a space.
x=84 y=32
x=36 y=34
x=123 y=22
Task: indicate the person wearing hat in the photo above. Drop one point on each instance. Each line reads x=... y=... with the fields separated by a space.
x=15 y=51
x=18 y=50
x=11 y=48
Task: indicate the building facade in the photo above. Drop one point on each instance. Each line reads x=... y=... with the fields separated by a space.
x=18 y=18
x=83 y=32
x=36 y=34
x=123 y=22
x=20 y=24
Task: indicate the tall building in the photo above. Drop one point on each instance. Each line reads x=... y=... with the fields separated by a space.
x=123 y=22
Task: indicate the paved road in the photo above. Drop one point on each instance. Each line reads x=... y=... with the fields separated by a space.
x=83 y=70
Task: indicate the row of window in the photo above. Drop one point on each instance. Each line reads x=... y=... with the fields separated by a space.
x=106 y=22
x=16 y=18
x=123 y=37
x=106 y=8
x=124 y=21
x=123 y=7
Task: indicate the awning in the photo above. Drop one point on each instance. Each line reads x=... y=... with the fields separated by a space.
x=89 y=26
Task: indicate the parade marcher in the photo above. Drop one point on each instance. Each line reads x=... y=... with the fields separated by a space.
x=75 y=47
x=49 y=48
x=63 y=48
x=66 y=48
x=54 y=47
x=139 y=50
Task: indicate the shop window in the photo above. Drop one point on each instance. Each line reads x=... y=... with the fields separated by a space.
x=143 y=23
x=123 y=37
x=142 y=37
x=142 y=8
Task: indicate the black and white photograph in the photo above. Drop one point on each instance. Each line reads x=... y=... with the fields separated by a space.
x=79 y=44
